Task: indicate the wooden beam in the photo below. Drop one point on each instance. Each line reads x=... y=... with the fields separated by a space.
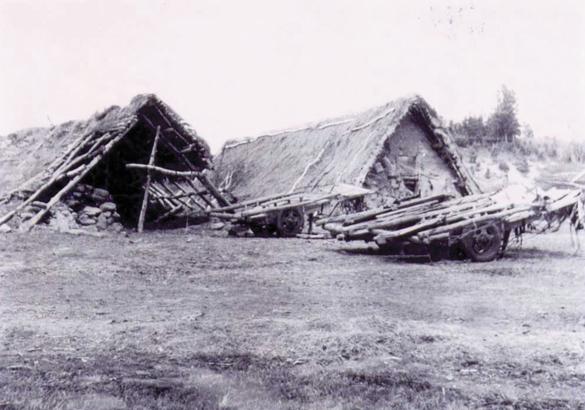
x=188 y=196
x=163 y=171
x=142 y=215
x=167 y=190
x=201 y=194
x=212 y=189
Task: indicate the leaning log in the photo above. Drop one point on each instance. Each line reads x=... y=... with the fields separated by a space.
x=34 y=220
x=142 y=215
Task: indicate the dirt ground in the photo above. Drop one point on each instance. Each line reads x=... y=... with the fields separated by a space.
x=193 y=319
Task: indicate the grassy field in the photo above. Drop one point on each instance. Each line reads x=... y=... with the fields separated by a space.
x=189 y=320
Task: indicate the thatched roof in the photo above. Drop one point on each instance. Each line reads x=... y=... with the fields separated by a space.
x=340 y=150
x=29 y=152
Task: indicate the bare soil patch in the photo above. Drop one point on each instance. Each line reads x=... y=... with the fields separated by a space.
x=193 y=319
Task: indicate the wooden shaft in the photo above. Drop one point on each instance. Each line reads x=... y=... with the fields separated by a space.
x=169 y=213
x=256 y=201
x=35 y=219
x=166 y=189
x=84 y=156
x=142 y=215
x=184 y=194
x=163 y=197
x=382 y=238
x=54 y=178
x=315 y=202
x=212 y=189
x=200 y=193
x=163 y=171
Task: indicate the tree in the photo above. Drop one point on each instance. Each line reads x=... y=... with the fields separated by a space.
x=470 y=129
x=474 y=128
x=503 y=124
x=528 y=132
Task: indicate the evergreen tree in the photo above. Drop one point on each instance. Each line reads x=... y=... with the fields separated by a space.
x=503 y=124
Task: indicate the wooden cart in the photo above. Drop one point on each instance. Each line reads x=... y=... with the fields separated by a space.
x=283 y=215
x=479 y=226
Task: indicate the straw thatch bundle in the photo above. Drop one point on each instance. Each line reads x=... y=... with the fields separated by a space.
x=382 y=148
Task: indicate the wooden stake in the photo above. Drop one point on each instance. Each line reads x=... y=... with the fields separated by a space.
x=148 y=180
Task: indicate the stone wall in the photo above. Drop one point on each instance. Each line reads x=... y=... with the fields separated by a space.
x=409 y=166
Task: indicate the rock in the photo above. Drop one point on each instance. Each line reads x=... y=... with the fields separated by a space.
x=72 y=203
x=100 y=195
x=77 y=195
x=116 y=227
x=102 y=222
x=86 y=220
x=108 y=206
x=107 y=214
x=26 y=215
x=116 y=216
x=38 y=205
x=80 y=188
x=5 y=228
x=91 y=211
x=217 y=226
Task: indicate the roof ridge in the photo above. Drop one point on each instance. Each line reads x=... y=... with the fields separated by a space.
x=330 y=122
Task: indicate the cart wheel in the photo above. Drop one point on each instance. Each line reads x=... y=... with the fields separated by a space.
x=482 y=244
x=290 y=222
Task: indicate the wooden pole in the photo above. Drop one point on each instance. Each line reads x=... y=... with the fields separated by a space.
x=56 y=177
x=34 y=220
x=164 y=171
x=221 y=200
x=148 y=180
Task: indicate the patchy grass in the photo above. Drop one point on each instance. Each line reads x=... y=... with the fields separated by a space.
x=185 y=320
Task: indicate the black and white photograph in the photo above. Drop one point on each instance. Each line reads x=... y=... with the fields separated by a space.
x=292 y=204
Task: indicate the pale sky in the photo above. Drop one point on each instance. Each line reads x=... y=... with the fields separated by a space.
x=237 y=68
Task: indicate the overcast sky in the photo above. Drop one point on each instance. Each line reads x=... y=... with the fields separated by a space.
x=237 y=68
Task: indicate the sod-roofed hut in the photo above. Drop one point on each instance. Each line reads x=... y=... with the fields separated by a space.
x=399 y=149
x=84 y=164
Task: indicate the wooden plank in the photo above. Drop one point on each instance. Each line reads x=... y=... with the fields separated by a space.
x=164 y=196
x=166 y=190
x=200 y=193
x=188 y=196
x=224 y=215
x=151 y=160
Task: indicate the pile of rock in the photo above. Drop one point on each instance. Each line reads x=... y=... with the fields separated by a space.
x=93 y=206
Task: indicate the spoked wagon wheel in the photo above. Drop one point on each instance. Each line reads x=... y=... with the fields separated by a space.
x=290 y=222
x=482 y=243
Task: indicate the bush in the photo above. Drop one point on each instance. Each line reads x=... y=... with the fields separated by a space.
x=462 y=141
x=523 y=166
